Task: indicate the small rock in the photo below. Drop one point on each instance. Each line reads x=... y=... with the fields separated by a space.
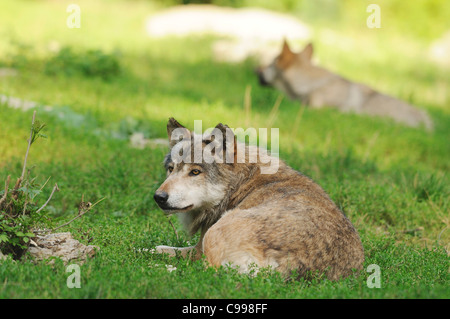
x=153 y=142
x=63 y=246
x=138 y=140
x=8 y=72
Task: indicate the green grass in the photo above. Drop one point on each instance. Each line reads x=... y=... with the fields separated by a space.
x=387 y=178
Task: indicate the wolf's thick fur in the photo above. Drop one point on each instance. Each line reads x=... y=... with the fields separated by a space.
x=283 y=220
x=295 y=75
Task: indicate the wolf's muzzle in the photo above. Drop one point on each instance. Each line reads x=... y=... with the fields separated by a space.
x=161 y=198
x=262 y=80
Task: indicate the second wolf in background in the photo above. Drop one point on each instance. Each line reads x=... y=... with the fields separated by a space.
x=296 y=75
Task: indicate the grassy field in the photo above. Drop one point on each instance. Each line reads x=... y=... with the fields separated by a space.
x=388 y=179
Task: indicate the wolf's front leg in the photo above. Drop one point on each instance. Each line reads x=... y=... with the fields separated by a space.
x=193 y=252
x=173 y=251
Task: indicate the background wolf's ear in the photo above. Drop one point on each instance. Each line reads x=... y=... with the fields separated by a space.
x=181 y=133
x=286 y=56
x=307 y=52
x=285 y=49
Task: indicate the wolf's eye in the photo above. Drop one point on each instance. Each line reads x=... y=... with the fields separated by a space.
x=194 y=172
x=170 y=169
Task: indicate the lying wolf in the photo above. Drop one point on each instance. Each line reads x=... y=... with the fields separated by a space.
x=283 y=220
x=296 y=76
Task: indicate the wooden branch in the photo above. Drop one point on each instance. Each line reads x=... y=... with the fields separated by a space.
x=6 y=189
x=273 y=112
x=173 y=227
x=55 y=188
x=24 y=207
x=411 y=231
x=248 y=104
x=81 y=212
x=16 y=187
x=20 y=179
x=28 y=148
x=42 y=187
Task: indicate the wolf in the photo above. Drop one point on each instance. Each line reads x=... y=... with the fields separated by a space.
x=284 y=220
x=300 y=79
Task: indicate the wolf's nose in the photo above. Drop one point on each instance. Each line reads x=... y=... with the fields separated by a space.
x=262 y=80
x=161 y=197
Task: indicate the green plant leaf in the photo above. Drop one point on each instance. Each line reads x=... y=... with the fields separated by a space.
x=4 y=238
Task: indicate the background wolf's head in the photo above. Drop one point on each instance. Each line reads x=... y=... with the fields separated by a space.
x=287 y=66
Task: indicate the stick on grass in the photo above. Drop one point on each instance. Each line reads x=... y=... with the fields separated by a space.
x=55 y=188
x=81 y=212
x=28 y=148
x=173 y=227
x=6 y=189
x=248 y=104
x=274 y=111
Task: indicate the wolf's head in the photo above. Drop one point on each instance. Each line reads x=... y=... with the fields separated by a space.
x=194 y=183
x=288 y=69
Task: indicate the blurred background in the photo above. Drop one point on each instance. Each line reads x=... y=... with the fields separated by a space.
x=133 y=63
x=412 y=35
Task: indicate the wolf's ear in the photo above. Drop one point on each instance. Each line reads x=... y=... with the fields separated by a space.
x=286 y=49
x=229 y=142
x=307 y=52
x=227 y=133
x=176 y=132
x=286 y=56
